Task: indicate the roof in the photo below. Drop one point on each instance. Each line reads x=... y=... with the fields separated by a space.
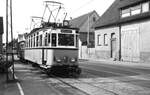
x=126 y=3
x=79 y=21
x=112 y=15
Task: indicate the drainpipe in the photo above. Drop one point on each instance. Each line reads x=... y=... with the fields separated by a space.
x=119 y=42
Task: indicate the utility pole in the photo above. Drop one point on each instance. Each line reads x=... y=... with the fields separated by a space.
x=11 y=26
x=88 y=36
x=9 y=22
x=7 y=78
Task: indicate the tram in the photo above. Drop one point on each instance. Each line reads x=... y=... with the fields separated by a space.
x=54 y=48
x=54 y=45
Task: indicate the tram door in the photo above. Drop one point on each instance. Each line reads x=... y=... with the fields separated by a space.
x=113 y=45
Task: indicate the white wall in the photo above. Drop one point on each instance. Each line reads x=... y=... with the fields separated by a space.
x=103 y=48
x=106 y=31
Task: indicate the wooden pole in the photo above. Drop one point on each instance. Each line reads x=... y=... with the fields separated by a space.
x=12 y=37
x=88 y=34
x=7 y=78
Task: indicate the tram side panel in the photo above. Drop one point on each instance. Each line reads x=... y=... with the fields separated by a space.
x=50 y=57
x=34 y=55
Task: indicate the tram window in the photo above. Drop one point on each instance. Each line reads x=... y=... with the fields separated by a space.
x=46 y=40
x=49 y=38
x=34 y=41
x=40 y=40
x=29 y=42
x=26 y=42
x=37 y=38
x=77 y=40
x=65 y=39
x=54 y=39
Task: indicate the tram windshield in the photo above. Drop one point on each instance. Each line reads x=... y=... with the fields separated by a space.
x=66 y=39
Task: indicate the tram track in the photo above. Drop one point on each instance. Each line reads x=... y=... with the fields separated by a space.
x=101 y=73
x=127 y=69
x=110 y=70
x=77 y=85
x=102 y=91
x=68 y=84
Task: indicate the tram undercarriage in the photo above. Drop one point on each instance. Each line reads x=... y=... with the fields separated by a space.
x=64 y=71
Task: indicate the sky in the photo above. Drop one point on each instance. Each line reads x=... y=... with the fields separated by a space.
x=24 y=9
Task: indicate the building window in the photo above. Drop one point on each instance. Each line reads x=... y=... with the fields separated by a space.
x=99 y=42
x=145 y=7
x=125 y=13
x=105 y=39
x=94 y=19
x=136 y=10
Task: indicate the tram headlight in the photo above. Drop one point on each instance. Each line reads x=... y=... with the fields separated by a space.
x=73 y=60
x=58 y=60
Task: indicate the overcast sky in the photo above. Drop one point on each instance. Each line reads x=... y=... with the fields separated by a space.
x=24 y=9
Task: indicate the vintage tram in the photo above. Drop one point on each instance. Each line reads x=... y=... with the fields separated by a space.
x=53 y=46
x=54 y=49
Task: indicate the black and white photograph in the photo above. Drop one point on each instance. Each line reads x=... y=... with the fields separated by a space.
x=74 y=47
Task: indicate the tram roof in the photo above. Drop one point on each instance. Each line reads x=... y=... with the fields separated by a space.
x=38 y=29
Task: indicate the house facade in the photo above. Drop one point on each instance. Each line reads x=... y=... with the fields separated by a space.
x=1 y=34
x=122 y=33
x=86 y=31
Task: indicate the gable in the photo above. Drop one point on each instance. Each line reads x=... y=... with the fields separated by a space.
x=82 y=21
x=89 y=22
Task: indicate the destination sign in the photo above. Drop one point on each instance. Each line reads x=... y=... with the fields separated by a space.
x=66 y=31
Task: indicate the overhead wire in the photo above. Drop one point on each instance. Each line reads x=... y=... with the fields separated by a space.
x=82 y=6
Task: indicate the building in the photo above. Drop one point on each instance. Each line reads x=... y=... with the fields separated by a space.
x=1 y=34
x=86 y=31
x=122 y=33
x=21 y=45
x=21 y=40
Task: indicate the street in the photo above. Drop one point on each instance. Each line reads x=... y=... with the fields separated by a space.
x=136 y=75
x=96 y=79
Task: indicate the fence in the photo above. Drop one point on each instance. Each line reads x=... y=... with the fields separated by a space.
x=86 y=53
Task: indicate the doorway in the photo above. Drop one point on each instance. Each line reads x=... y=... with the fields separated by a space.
x=113 y=45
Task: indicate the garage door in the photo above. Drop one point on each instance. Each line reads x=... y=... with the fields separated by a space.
x=130 y=45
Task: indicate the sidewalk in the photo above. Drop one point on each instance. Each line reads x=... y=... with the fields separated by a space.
x=8 y=87
x=109 y=61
